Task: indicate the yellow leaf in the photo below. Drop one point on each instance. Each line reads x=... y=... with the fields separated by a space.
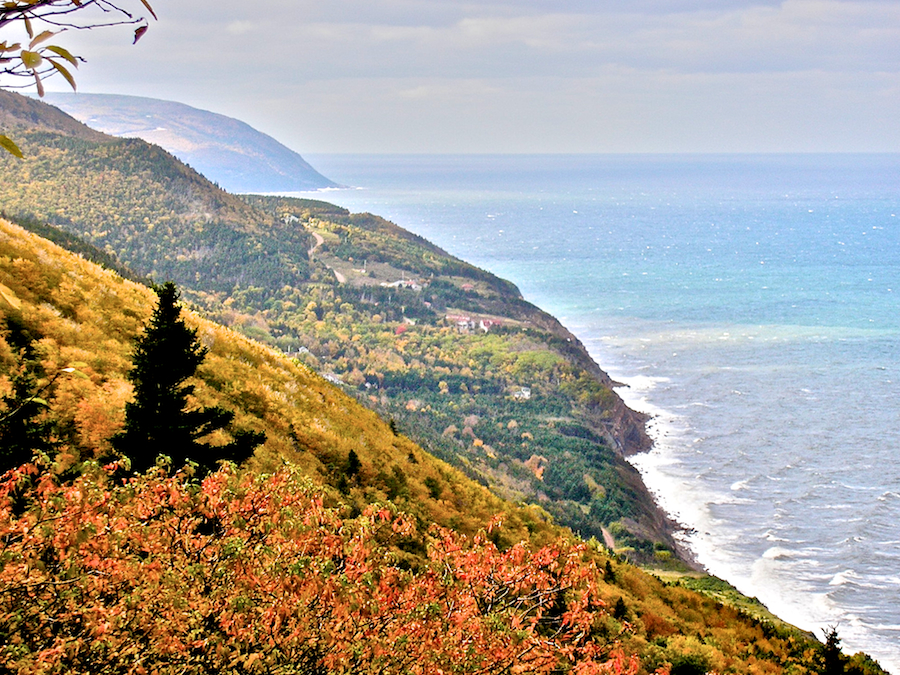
x=7 y=294
x=7 y=144
x=31 y=59
x=64 y=53
x=46 y=35
x=65 y=73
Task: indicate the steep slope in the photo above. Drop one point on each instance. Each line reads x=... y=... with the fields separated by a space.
x=133 y=199
x=21 y=112
x=452 y=353
x=480 y=376
x=160 y=571
x=58 y=310
x=520 y=406
x=225 y=150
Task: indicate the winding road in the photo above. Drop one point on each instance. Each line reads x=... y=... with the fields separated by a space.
x=341 y=279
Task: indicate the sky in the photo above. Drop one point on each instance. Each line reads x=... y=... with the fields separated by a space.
x=522 y=76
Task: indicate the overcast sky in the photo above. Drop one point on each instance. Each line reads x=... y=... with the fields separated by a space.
x=523 y=75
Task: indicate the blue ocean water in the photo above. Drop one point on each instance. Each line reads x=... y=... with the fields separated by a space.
x=750 y=303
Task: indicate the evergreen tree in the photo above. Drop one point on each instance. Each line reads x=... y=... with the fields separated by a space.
x=353 y=464
x=620 y=611
x=158 y=420
x=834 y=659
x=24 y=427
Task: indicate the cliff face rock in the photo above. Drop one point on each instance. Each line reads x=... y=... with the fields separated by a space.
x=631 y=427
x=626 y=428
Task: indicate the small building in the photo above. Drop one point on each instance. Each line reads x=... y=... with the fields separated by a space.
x=403 y=283
x=523 y=394
x=487 y=324
x=464 y=324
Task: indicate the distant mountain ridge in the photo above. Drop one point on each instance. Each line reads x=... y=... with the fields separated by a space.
x=227 y=151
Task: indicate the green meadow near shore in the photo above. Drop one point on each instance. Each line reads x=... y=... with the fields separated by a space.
x=443 y=484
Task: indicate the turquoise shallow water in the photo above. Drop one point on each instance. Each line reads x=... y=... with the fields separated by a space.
x=751 y=304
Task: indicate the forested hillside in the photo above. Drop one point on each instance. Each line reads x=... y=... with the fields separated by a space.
x=461 y=362
x=60 y=311
x=453 y=354
x=340 y=547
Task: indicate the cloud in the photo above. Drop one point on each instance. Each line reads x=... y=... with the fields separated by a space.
x=446 y=73
x=477 y=40
x=491 y=38
x=240 y=27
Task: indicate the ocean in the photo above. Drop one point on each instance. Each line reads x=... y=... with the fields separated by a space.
x=750 y=304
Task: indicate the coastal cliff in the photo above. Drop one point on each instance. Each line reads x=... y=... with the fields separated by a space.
x=451 y=353
x=342 y=309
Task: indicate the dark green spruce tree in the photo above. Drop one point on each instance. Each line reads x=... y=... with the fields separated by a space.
x=158 y=420
x=834 y=659
x=25 y=428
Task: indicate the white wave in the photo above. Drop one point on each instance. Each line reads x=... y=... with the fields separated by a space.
x=843 y=578
x=779 y=553
x=769 y=535
x=793 y=582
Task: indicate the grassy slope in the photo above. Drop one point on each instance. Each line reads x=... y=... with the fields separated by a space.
x=80 y=315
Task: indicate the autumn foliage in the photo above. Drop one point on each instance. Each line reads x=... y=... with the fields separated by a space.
x=261 y=573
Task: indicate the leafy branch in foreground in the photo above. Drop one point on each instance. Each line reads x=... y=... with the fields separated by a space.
x=257 y=574
x=32 y=54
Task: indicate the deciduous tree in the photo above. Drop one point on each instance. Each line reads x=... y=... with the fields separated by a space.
x=256 y=574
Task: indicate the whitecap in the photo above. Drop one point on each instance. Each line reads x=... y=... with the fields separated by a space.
x=851 y=540
x=769 y=535
x=845 y=577
x=779 y=553
x=859 y=488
